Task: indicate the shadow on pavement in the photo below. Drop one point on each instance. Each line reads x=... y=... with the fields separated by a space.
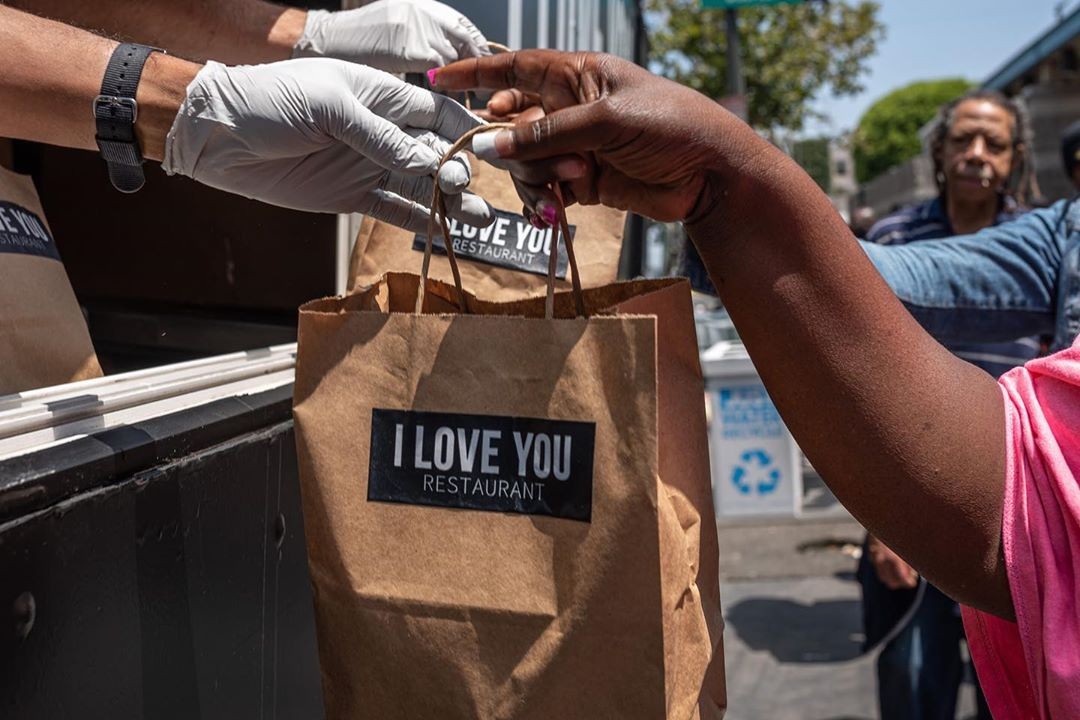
x=792 y=632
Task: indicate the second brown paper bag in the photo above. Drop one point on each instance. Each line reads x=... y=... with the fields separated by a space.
x=43 y=336
x=505 y=261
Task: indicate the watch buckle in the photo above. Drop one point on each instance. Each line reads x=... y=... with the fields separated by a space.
x=112 y=100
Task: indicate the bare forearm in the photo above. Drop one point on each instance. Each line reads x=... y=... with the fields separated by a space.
x=909 y=438
x=229 y=31
x=52 y=72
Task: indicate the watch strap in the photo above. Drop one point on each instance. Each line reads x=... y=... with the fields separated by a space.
x=115 y=113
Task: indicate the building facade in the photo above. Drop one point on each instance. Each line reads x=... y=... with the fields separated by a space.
x=612 y=26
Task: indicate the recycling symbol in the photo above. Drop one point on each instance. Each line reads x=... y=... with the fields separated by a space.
x=755 y=470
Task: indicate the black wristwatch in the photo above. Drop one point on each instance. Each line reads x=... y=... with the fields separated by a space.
x=115 y=111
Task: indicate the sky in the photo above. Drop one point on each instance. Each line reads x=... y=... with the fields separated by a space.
x=927 y=39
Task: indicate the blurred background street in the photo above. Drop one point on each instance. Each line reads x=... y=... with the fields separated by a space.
x=794 y=627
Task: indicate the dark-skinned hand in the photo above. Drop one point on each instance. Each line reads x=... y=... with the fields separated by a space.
x=608 y=133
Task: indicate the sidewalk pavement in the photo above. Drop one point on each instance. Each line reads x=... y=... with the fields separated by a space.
x=794 y=628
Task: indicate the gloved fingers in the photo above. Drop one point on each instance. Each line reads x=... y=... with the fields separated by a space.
x=410 y=106
x=436 y=53
x=441 y=50
x=394 y=209
x=467 y=39
x=386 y=144
x=470 y=209
x=455 y=174
x=467 y=207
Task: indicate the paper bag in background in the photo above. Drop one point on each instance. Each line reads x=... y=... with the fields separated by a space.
x=43 y=336
x=504 y=261
x=509 y=516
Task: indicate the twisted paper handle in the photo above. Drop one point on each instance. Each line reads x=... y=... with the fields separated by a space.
x=437 y=218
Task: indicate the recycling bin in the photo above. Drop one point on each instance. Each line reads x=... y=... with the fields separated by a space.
x=756 y=465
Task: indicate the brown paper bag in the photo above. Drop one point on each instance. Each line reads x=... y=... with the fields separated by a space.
x=509 y=516
x=504 y=261
x=43 y=336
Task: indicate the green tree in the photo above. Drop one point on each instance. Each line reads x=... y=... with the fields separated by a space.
x=790 y=53
x=888 y=132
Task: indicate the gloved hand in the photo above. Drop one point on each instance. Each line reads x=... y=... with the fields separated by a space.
x=325 y=136
x=392 y=35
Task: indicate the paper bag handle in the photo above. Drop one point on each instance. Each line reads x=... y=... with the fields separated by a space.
x=438 y=216
x=575 y=278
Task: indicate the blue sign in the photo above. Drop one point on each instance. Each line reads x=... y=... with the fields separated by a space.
x=755 y=471
x=747 y=412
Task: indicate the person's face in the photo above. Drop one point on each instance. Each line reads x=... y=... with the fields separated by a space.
x=978 y=153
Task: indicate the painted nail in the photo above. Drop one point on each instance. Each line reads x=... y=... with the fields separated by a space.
x=548 y=212
x=431 y=75
x=537 y=223
x=492 y=145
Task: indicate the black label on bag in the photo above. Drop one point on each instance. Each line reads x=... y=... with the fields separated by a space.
x=23 y=232
x=482 y=462
x=509 y=242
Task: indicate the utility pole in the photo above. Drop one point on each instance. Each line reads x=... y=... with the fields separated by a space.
x=735 y=101
x=736 y=85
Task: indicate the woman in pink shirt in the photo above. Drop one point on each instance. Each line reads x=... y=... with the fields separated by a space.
x=973 y=482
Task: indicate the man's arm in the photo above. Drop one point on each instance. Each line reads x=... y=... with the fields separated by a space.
x=392 y=35
x=320 y=135
x=53 y=72
x=995 y=285
x=229 y=31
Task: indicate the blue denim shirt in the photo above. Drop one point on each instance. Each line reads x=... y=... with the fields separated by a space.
x=1019 y=278
x=929 y=220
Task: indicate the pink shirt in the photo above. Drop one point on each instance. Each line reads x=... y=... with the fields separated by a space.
x=1031 y=668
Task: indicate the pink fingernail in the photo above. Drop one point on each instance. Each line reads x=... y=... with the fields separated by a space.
x=431 y=76
x=549 y=213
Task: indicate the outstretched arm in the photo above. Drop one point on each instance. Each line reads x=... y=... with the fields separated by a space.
x=52 y=73
x=391 y=35
x=909 y=438
x=229 y=31
x=995 y=285
x=312 y=134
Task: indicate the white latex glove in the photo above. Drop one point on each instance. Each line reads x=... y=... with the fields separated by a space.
x=325 y=136
x=393 y=35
